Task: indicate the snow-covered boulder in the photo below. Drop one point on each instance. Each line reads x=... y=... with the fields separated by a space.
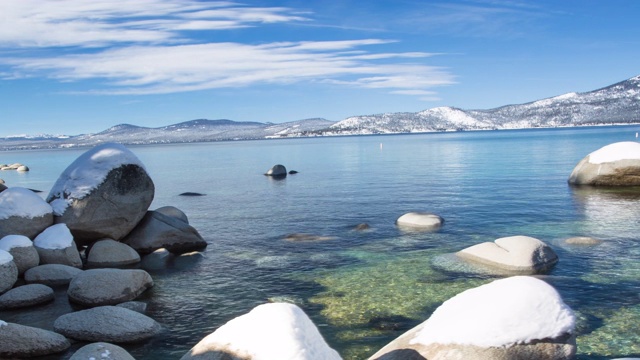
x=420 y=221
x=55 y=245
x=51 y=274
x=174 y=212
x=269 y=331
x=101 y=351
x=102 y=194
x=23 y=212
x=157 y=231
x=616 y=164
x=519 y=317
x=18 y=341
x=277 y=171
x=8 y=271
x=108 y=324
x=21 y=248
x=517 y=254
x=98 y=287
x=25 y=296
x=108 y=253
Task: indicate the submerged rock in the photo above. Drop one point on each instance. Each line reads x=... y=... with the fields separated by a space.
x=307 y=237
x=616 y=164
x=582 y=240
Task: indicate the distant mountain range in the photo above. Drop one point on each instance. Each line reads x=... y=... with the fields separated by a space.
x=612 y=105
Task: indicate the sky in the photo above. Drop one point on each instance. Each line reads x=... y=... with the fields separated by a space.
x=81 y=66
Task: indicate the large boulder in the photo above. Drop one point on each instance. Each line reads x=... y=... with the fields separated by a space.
x=102 y=194
x=8 y=271
x=616 y=164
x=277 y=171
x=55 y=245
x=108 y=253
x=22 y=212
x=108 y=324
x=420 y=221
x=51 y=274
x=18 y=341
x=97 y=287
x=270 y=331
x=101 y=351
x=157 y=231
x=516 y=254
x=517 y=318
x=25 y=296
x=21 y=248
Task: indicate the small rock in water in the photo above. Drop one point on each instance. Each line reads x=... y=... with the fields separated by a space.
x=189 y=193
x=292 y=172
x=277 y=171
x=583 y=240
x=361 y=227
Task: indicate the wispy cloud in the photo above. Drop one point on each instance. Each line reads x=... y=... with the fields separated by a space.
x=150 y=47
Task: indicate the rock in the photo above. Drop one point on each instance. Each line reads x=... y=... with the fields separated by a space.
x=25 y=255
x=362 y=227
x=306 y=237
x=3 y=187
x=616 y=164
x=292 y=172
x=98 y=287
x=8 y=271
x=23 y=213
x=22 y=168
x=137 y=306
x=25 y=296
x=157 y=231
x=189 y=193
x=514 y=318
x=277 y=171
x=420 y=221
x=102 y=194
x=18 y=341
x=291 y=335
x=51 y=274
x=107 y=323
x=55 y=245
x=109 y=253
x=2 y=181
x=583 y=240
x=173 y=212
x=101 y=351
x=518 y=254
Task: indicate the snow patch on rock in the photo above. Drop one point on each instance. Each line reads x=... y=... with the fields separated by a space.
x=54 y=237
x=5 y=257
x=17 y=201
x=14 y=241
x=626 y=150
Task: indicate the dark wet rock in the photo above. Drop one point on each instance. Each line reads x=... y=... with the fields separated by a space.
x=277 y=171
x=51 y=274
x=189 y=193
x=157 y=231
x=362 y=227
x=108 y=253
x=173 y=212
x=292 y=172
x=26 y=296
x=98 y=287
x=18 y=341
x=101 y=351
x=107 y=324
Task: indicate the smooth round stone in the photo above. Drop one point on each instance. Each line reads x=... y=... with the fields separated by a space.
x=8 y=271
x=18 y=341
x=109 y=253
x=51 y=274
x=277 y=171
x=420 y=221
x=101 y=351
x=97 y=287
x=25 y=296
x=173 y=212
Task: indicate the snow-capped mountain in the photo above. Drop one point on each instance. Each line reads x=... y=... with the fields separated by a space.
x=615 y=104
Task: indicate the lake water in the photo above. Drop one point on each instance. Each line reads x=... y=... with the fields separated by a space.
x=365 y=288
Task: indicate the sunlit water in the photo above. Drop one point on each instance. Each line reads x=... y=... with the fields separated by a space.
x=364 y=288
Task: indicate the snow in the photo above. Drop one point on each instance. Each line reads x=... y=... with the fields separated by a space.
x=271 y=331
x=2 y=323
x=509 y=311
x=14 y=241
x=88 y=171
x=17 y=201
x=626 y=150
x=54 y=237
x=5 y=257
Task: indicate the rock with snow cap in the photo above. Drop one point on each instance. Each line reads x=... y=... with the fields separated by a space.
x=8 y=271
x=107 y=324
x=108 y=253
x=21 y=248
x=157 y=231
x=97 y=287
x=519 y=317
x=101 y=351
x=51 y=274
x=22 y=212
x=269 y=331
x=616 y=164
x=102 y=194
x=25 y=296
x=18 y=341
x=420 y=221
x=55 y=245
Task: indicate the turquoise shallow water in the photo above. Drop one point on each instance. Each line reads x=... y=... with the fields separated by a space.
x=364 y=288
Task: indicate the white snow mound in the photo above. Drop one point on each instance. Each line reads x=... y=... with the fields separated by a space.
x=271 y=331
x=54 y=237
x=14 y=241
x=626 y=150
x=2 y=323
x=509 y=311
x=89 y=170
x=21 y=202
x=5 y=257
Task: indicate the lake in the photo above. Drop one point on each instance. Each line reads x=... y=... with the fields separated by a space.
x=365 y=288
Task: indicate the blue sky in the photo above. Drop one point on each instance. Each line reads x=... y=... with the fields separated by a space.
x=81 y=66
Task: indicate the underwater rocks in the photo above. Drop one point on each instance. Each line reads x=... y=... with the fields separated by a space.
x=616 y=164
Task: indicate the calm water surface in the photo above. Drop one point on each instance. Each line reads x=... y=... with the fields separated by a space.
x=364 y=288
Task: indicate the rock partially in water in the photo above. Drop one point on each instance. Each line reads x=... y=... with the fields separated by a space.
x=97 y=287
x=189 y=193
x=616 y=164
x=420 y=221
x=277 y=171
x=26 y=296
x=18 y=341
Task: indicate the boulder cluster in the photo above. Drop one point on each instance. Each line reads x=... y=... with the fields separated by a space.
x=95 y=221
